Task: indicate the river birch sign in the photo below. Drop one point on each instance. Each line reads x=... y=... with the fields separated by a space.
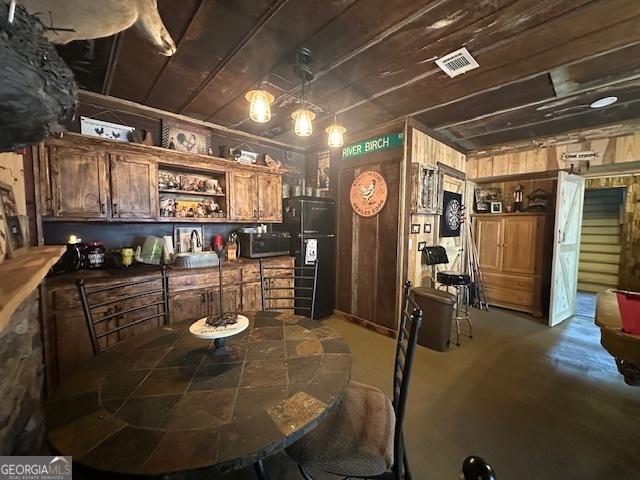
x=373 y=145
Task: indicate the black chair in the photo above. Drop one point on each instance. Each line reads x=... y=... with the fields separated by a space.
x=458 y=280
x=364 y=437
x=275 y=283
x=138 y=302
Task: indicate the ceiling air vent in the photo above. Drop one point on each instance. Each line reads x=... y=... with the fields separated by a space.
x=457 y=63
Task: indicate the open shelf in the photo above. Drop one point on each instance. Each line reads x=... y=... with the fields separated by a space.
x=191 y=192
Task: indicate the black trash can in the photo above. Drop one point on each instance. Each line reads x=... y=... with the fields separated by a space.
x=437 y=313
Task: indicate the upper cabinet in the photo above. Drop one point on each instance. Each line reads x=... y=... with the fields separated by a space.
x=243 y=188
x=79 y=188
x=133 y=187
x=89 y=179
x=269 y=198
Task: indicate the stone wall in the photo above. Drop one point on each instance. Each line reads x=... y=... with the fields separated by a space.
x=21 y=382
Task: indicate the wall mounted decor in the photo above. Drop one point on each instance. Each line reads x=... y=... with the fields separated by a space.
x=415 y=228
x=102 y=129
x=422 y=246
x=324 y=165
x=425 y=189
x=426 y=228
x=13 y=227
x=451 y=217
x=185 y=138
x=368 y=193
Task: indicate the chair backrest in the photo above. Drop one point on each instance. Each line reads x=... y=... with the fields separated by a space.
x=289 y=288
x=435 y=255
x=113 y=313
x=410 y=321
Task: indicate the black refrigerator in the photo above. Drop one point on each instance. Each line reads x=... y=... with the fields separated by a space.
x=313 y=219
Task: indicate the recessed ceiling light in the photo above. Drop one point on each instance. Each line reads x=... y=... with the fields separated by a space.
x=604 y=102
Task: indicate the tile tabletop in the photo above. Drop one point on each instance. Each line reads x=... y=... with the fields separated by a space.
x=163 y=403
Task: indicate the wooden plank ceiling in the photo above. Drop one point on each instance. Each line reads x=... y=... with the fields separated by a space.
x=542 y=62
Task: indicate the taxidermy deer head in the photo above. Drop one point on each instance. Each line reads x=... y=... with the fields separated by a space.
x=68 y=20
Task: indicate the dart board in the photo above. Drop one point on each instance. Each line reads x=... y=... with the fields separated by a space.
x=451 y=214
x=368 y=193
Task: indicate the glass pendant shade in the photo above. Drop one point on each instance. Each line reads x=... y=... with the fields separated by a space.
x=335 y=135
x=303 y=126
x=260 y=108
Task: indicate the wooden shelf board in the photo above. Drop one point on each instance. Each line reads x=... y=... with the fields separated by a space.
x=22 y=275
x=187 y=192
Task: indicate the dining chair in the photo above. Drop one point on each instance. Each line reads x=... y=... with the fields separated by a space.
x=114 y=311
x=364 y=437
x=275 y=282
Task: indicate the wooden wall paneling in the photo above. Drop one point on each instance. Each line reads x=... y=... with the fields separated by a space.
x=388 y=255
x=547 y=159
x=345 y=241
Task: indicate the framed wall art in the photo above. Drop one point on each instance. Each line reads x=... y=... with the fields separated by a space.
x=426 y=228
x=496 y=207
x=324 y=165
x=424 y=193
x=13 y=228
x=102 y=129
x=185 y=138
x=415 y=228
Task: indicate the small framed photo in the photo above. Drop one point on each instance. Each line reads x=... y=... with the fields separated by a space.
x=426 y=228
x=185 y=138
x=415 y=228
x=13 y=227
x=496 y=207
x=422 y=246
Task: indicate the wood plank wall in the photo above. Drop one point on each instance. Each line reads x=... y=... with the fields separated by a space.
x=547 y=159
x=427 y=150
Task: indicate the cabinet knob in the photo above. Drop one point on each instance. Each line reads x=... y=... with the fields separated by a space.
x=115 y=208
x=103 y=208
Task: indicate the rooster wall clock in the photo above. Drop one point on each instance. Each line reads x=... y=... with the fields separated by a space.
x=368 y=193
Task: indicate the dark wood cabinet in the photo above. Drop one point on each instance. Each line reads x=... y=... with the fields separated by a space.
x=243 y=193
x=134 y=192
x=189 y=305
x=78 y=182
x=251 y=297
x=269 y=198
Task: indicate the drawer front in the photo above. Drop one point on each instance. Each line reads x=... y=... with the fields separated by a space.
x=195 y=280
x=496 y=280
x=279 y=262
x=510 y=296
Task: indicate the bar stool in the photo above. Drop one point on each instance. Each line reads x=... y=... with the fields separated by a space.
x=459 y=281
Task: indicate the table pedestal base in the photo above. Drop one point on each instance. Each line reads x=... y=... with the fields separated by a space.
x=219 y=347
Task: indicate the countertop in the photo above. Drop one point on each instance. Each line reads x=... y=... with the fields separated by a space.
x=141 y=270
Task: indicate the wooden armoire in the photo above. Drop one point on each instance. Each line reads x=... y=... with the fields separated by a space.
x=514 y=255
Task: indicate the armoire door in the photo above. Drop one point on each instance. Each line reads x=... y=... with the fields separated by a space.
x=270 y=198
x=489 y=240
x=520 y=243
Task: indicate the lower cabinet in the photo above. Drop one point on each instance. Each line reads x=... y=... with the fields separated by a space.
x=251 y=297
x=189 y=305
x=192 y=295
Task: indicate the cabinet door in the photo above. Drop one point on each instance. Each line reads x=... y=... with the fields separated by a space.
x=243 y=190
x=270 y=198
x=489 y=233
x=134 y=187
x=189 y=305
x=79 y=186
x=520 y=243
x=230 y=296
x=251 y=297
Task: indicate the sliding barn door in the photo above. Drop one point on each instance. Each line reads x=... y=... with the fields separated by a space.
x=566 y=247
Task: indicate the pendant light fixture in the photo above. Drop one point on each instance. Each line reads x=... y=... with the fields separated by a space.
x=303 y=117
x=335 y=134
x=260 y=105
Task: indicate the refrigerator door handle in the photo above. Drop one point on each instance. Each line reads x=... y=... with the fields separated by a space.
x=304 y=236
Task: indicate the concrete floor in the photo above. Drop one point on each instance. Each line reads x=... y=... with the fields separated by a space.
x=535 y=402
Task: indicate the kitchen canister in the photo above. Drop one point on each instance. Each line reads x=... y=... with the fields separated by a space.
x=286 y=190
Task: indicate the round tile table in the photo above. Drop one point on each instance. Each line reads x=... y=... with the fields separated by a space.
x=161 y=403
